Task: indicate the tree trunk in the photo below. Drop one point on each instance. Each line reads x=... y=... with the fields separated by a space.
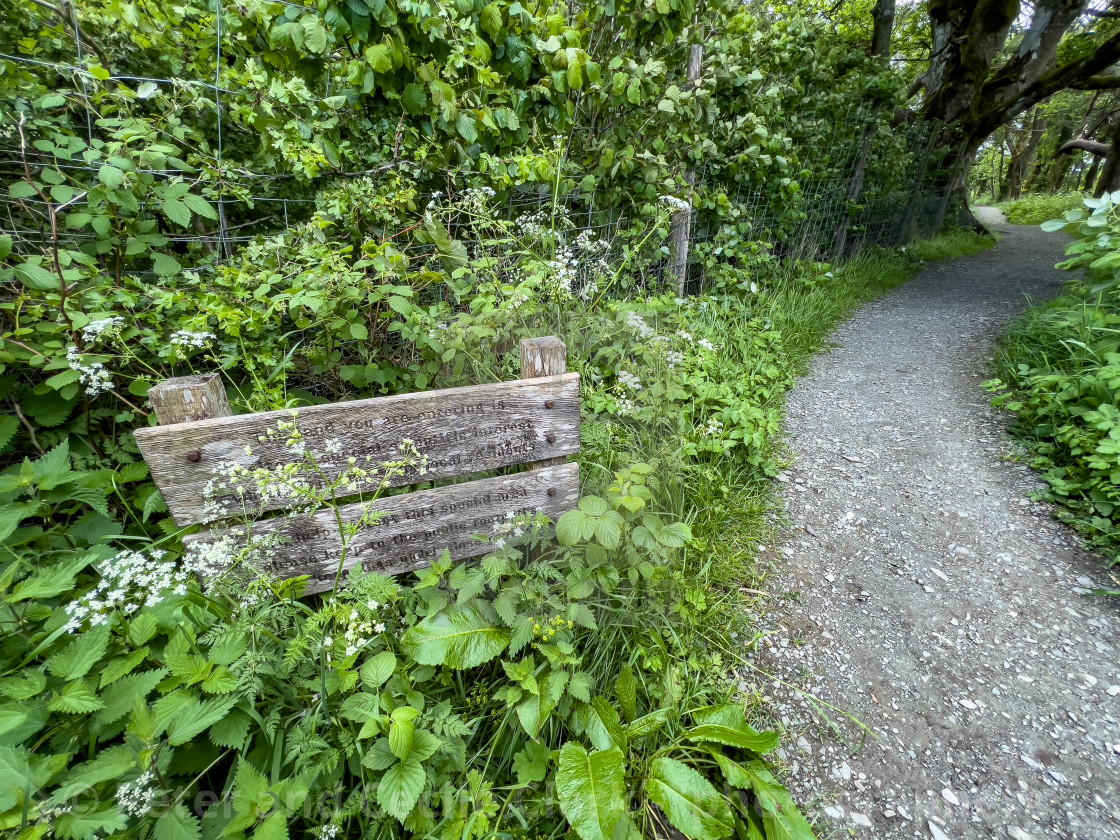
x=1090 y=175
x=883 y=16
x=1021 y=160
x=1110 y=170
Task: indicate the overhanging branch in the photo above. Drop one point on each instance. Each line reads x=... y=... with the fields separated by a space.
x=1084 y=145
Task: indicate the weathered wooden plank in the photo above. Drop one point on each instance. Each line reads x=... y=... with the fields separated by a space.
x=416 y=527
x=461 y=430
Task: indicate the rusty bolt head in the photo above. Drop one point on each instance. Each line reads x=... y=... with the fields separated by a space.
x=550 y=404
x=552 y=491
x=194 y=457
x=551 y=438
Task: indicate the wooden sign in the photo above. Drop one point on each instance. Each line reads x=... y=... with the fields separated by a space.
x=416 y=528
x=461 y=431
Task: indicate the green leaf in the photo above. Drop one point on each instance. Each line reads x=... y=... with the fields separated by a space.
x=458 y=637
x=379 y=57
x=604 y=727
x=49 y=582
x=647 y=724
x=531 y=763
x=400 y=788
x=467 y=127
x=164 y=265
x=122 y=694
x=689 y=800
x=83 y=653
x=110 y=176
x=274 y=827
x=414 y=98
x=21 y=189
x=376 y=671
x=781 y=818
x=37 y=278
x=177 y=824
x=15 y=776
x=231 y=730
x=1053 y=225
x=592 y=790
x=176 y=211
x=491 y=20
x=19 y=721
x=5 y=245
x=193 y=717
x=76 y=698
x=200 y=206
x=314 y=33
x=727 y=725
x=401 y=735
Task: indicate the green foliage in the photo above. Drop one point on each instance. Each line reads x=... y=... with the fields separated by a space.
x=1036 y=208
x=1059 y=370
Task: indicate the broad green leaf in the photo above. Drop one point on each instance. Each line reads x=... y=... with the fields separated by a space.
x=35 y=277
x=5 y=245
x=604 y=727
x=199 y=205
x=458 y=637
x=194 y=716
x=122 y=694
x=76 y=698
x=49 y=582
x=231 y=730
x=727 y=725
x=177 y=212
x=375 y=672
x=379 y=57
x=491 y=20
x=591 y=788
x=177 y=824
x=165 y=265
x=15 y=777
x=274 y=827
x=414 y=98
x=21 y=189
x=400 y=788
x=83 y=653
x=647 y=724
x=19 y=721
x=689 y=800
x=110 y=176
x=531 y=763
x=781 y=818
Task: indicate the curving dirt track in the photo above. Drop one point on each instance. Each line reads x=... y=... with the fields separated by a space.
x=928 y=597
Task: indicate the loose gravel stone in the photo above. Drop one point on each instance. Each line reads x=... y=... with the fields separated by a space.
x=932 y=599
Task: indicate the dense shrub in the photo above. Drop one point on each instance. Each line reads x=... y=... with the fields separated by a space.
x=1059 y=371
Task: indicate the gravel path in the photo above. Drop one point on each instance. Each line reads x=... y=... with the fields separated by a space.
x=927 y=596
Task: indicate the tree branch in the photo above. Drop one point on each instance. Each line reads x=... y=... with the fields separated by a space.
x=1098 y=83
x=1085 y=145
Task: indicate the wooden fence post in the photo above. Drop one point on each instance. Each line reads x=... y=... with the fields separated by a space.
x=680 y=230
x=186 y=398
x=543 y=357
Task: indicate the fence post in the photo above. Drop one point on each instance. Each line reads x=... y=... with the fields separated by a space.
x=546 y=356
x=186 y=398
x=680 y=231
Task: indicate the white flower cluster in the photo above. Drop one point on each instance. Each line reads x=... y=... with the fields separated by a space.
x=515 y=526
x=563 y=274
x=677 y=205
x=129 y=581
x=136 y=798
x=530 y=227
x=629 y=380
x=626 y=407
x=713 y=428
x=706 y=345
x=186 y=338
x=638 y=324
x=359 y=632
x=328 y=831
x=95 y=330
x=96 y=378
x=674 y=357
